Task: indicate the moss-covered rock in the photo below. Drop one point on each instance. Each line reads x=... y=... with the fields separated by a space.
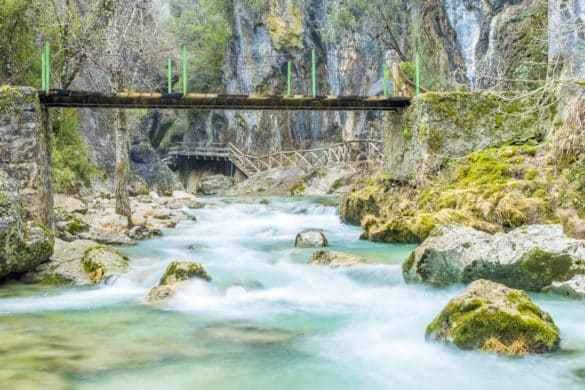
x=178 y=271
x=492 y=317
x=530 y=258
x=102 y=262
x=24 y=242
x=175 y=277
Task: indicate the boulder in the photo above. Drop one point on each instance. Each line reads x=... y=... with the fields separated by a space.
x=24 y=241
x=69 y=204
x=68 y=225
x=215 y=185
x=312 y=238
x=489 y=316
x=335 y=259
x=529 y=258
x=64 y=267
x=101 y=263
x=573 y=288
x=175 y=277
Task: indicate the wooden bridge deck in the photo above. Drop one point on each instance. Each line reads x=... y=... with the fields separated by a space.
x=81 y=99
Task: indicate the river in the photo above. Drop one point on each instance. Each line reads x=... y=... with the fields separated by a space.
x=266 y=321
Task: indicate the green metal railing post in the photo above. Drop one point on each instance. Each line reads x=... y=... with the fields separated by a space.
x=288 y=78
x=417 y=64
x=47 y=67
x=314 y=72
x=170 y=76
x=385 y=71
x=184 y=70
x=43 y=70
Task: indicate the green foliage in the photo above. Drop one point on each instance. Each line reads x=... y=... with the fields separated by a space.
x=202 y=24
x=72 y=166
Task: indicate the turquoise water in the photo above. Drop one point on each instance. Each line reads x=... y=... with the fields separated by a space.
x=266 y=321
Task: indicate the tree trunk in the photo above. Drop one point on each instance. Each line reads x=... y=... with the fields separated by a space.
x=122 y=165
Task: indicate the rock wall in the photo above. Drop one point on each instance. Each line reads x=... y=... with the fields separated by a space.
x=439 y=127
x=24 y=242
x=262 y=42
x=499 y=40
x=566 y=34
x=25 y=149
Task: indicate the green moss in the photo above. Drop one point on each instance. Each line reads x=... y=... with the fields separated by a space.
x=407 y=133
x=264 y=202
x=297 y=189
x=407 y=265
x=471 y=325
x=184 y=271
x=546 y=268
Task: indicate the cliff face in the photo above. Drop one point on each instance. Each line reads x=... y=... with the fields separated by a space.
x=475 y=44
x=263 y=40
x=566 y=34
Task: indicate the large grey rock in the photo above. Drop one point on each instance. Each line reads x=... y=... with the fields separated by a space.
x=24 y=241
x=573 y=288
x=216 y=185
x=335 y=259
x=529 y=258
x=65 y=266
x=489 y=316
x=69 y=204
x=312 y=238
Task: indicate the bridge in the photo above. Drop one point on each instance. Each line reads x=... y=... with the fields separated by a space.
x=126 y=100
x=355 y=150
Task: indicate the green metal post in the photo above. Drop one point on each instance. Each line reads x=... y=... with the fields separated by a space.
x=288 y=78
x=47 y=67
x=385 y=70
x=43 y=70
x=184 y=70
x=170 y=78
x=314 y=73
x=417 y=63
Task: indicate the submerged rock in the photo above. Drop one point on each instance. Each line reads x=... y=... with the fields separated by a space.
x=312 y=238
x=573 y=288
x=335 y=259
x=24 y=241
x=489 y=316
x=528 y=258
x=175 y=277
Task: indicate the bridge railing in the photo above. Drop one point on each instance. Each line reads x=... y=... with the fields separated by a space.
x=356 y=150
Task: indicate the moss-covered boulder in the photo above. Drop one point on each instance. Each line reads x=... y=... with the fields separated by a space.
x=312 y=238
x=24 y=241
x=65 y=266
x=101 y=263
x=489 y=316
x=530 y=258
x=178 y=271
x=176 y=276
x=335 y=259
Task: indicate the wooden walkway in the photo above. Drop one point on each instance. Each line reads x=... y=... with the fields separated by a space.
x=82 y=99
x=358 y=150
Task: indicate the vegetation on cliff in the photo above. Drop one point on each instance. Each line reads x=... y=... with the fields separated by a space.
x=518 y=177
